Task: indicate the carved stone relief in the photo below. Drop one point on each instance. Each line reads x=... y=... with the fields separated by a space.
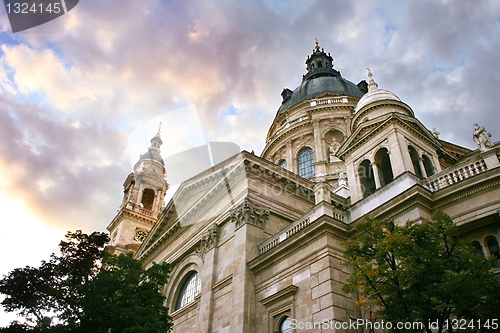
x=333 y=140
x=306 y=139
x=249 y=212
x=208 y=240
x=279 y=155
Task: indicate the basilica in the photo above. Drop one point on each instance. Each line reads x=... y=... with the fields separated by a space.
x=256 y=243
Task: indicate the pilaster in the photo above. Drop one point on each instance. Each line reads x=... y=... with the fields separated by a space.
x=249 y=220
x=319 y=153
x=208 y=251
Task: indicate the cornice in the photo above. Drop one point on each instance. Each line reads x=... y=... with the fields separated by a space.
x=252 y=167
x=126 y=212
x=465 y=188
x=283 y=293
x=285 y=135
x=378 y=105
x=316 y=229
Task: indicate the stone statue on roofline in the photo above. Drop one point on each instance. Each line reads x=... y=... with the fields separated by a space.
x=435 y=133
x=482 y=138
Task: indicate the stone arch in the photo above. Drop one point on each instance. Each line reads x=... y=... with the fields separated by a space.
x=148 y=198
x=179 y=275
x=493 y=249
x=366 y=178
x=305 y=162
x=415 y=161
x=428 y=166
x=478 y=249
x=280 y=323
x=384 y=165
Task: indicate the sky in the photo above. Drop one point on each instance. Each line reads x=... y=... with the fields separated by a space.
x=74 y=91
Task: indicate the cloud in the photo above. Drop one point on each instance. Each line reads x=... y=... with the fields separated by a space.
x=198 y=33
x=73 y=89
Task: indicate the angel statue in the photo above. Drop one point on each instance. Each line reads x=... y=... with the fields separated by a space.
x=482 y=138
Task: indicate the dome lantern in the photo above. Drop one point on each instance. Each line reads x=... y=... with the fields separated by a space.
x=319 y=64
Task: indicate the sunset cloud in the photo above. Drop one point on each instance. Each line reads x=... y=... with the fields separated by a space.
x=72 y=90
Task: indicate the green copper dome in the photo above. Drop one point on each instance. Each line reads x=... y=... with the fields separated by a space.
x=320 y=78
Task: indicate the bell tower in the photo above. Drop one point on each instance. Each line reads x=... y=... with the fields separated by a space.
x=144 y=191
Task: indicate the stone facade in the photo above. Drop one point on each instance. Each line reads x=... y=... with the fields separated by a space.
x=267 y=244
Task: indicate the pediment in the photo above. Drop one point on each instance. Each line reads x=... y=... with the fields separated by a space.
x=195 y=197
x=370 y=128
x=211 y=195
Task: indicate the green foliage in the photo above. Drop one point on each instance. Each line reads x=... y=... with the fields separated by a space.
x=83 y=289
x=420 y=272
x=126 y=298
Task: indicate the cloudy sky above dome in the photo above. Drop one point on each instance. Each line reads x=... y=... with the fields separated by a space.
x=73 y=90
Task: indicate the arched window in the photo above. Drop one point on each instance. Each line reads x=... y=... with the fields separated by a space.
x=189 y=290
x=478 y=249
x=494 y=249
x=367 y=181
x=283 y=164
x=384 y=166
x=414 y=160
x=285 y=325
x=305 y=163
x=429 y=168
x=148 y=198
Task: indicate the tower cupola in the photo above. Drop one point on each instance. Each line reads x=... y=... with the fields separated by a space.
x=319 y=64
x=143 y=195
x=154 y=151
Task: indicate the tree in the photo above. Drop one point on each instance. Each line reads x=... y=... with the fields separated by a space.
x=126 y=298
x=422 y=272
x=84 y=289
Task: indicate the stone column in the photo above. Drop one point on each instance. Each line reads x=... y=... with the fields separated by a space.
x=399 y=155
x=154 y=208
x=139 y=195
x=422 y=168
x=353 y=179
x=437 y=165
x=208 y=250
x=376 y=175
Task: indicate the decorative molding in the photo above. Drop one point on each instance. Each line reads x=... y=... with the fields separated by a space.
x=302 y=141
x=476 y=189
x=282 y=294
x=249 y=212
x=222 y=283
x=208 y=240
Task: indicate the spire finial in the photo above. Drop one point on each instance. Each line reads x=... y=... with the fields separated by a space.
x=317 y=44
x=372 y=85
x=159 y=130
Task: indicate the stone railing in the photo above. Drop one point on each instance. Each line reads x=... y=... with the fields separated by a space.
x=288 y=232
x=146 y=212
x=329 y=101
x=296 y=227
x=454 y=175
